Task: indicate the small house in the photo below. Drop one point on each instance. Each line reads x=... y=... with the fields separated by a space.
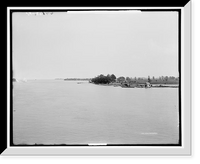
x=147 y=85
x=125 y=84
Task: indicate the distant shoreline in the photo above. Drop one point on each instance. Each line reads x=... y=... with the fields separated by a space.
x=141 y=85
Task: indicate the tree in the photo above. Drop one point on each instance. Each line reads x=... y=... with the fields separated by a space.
x=128 y=79
x=121 y=79
x=135 y=79
x=108 y=77
x=101 y=79
x=113 y=77
x=149 y=80
x=166 y=78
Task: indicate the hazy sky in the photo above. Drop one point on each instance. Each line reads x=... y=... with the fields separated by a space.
x=73 y=44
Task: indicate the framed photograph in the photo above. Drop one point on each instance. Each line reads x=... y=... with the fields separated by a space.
x=112 y=81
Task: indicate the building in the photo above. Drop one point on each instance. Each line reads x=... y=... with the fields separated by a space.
x=147 y=85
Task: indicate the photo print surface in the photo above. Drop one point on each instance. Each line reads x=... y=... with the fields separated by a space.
x=99 y=77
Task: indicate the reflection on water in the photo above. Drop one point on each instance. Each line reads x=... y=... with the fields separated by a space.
x=64 y=112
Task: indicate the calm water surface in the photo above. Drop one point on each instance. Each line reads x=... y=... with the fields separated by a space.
x=65 y=112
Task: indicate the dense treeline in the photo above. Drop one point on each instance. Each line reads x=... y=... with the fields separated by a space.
x=159 y=80
x=101 y=79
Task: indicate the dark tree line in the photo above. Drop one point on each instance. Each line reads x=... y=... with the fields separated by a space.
x=102 y=79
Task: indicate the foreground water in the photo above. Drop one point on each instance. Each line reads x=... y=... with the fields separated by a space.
x=65 y=112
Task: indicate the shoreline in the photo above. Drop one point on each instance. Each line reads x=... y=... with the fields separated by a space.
x=141 y=85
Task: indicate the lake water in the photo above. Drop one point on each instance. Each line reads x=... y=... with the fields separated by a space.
x=65 y=112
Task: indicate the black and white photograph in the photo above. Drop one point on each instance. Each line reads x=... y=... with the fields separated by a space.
x=96 y=77
x=102 y=77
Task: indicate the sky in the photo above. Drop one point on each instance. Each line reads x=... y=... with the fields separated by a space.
x=87 y=44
